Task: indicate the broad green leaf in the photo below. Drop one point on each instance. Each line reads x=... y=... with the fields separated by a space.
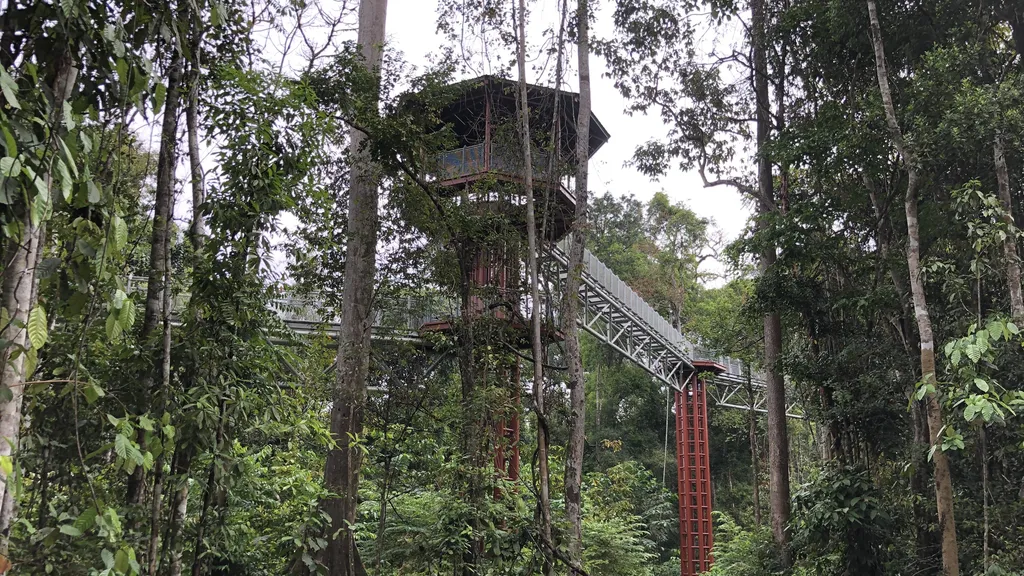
x=970 y=412
x=121 y=445
x=68 y=116
x=113 y=327
x=126 y=317
x=10 y=167
x=68 y=157
x=9 y=88
x=94 y=192
x=1012 y=328
x=981 y=384
x=66 y=181
x=31 y=361
x=70 y=530
x=40 y=208
x=121 y=562
x=159 y=94
x=120 y=232
x=37 y=326
x=92 y=392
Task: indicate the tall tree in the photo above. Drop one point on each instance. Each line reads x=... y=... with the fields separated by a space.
x=912 y=164
x=343 y=462
x=536 y=319
x=570 y=300
x=775 y=397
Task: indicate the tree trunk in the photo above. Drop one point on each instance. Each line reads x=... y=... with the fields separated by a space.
x=983 y=440
x=343 y=463
x=160 y=245
x=18 y=298
x=574 y=357
x=943 y=479
x=775 y=393
x=179 y=510
x=1010 y=244
x=197 y=229
x=754 y=468
x=531 y=257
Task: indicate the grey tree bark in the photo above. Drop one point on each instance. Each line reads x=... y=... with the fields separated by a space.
x=18 y=297
x=943 y=479
x=574 y=357
x=343 y=462
x=160 y=245
x=775 y=397
x=536 y=338
x=1012 y=264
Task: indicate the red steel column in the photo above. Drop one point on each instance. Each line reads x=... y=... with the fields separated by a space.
x=695 y=536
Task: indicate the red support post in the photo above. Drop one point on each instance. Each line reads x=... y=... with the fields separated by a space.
x=695 y=530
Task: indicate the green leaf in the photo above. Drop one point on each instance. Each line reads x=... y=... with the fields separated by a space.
x=159 y=93
x=68 y=116
x=10 y=167
x=108 y=558
x=66 y=181
x=68 y=157
x=37 y=327
x=31 y=361
x=974 y=353
x=112 y=326
x=970 y=412
x=70 y=530
x=122 y=68
x=126 y=317
x=121 y=561
x=146 y=423
x=9 y=88
x=92 y=392
x=40 y=207
x=121 y=445
x=120 y=232
x=7 y=466
x=94 y=192
x=981 y=384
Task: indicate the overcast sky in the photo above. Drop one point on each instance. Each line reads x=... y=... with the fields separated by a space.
x=411 y=28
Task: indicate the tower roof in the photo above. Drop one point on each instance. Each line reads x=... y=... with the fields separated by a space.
x=468 y=106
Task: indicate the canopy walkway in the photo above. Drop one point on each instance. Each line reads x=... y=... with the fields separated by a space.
x=610 y=311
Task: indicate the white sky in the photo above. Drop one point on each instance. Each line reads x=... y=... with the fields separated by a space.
x=411 y=28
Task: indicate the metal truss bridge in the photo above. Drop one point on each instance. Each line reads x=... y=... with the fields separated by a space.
x=610 y=311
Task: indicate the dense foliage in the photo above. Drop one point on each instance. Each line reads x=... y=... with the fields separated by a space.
x=160 y=416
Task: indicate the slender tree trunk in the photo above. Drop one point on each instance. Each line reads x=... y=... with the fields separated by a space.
x=755 y=469
x=197 y=229
x=160 y=245
x=343 y=463
x=1012 y=264
x=179 y=510
x=775 y=399
x=983 y=439
x=19 y=296
x=574 y=357
x=531 y=257
x=943 y=479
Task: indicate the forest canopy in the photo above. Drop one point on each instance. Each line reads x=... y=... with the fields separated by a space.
x=277 y=297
